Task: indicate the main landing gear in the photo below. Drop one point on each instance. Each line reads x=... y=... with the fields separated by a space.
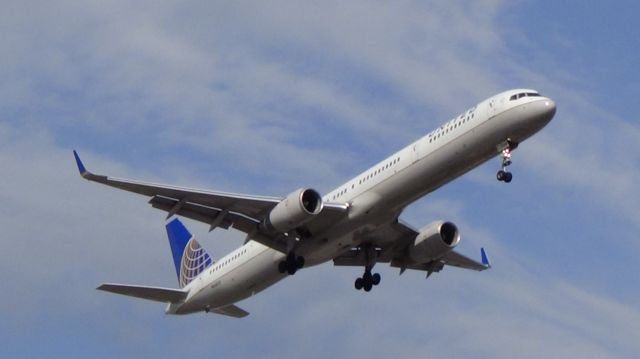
x=368 y=280
x=503 y=175
x=291 y=264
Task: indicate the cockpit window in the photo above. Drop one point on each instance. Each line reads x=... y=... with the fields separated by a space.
x=524 y=94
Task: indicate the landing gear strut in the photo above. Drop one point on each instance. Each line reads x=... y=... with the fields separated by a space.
x=503 y=175
x=368 y=280
x=291 y=264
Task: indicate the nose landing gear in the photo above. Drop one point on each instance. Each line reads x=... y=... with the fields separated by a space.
x=503 y=175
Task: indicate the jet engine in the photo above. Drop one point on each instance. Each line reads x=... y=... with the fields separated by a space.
x=296 y=209
x=434 y=241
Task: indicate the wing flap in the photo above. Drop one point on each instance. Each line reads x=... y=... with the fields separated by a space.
x=158 y=294
x=215 y=217
x=356 y=257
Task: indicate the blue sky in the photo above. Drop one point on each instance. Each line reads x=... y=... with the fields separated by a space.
x=265 y=98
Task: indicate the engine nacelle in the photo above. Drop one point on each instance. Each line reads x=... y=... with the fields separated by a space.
x=434 y=241
x=296 y=209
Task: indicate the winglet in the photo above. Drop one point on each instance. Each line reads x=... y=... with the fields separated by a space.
x=485 y=258
x=81 y=167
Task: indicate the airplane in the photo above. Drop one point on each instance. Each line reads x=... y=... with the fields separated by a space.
x=356 y=224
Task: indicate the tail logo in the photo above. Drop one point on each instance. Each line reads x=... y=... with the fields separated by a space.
x=194 y=261
x=189 y=258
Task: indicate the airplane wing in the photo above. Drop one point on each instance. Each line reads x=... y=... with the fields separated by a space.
x=391 y=243
x=218 y=209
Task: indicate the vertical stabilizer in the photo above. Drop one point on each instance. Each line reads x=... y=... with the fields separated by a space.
x=189 y=257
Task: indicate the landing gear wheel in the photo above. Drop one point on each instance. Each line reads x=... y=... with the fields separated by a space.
x=376 y=279
x=367 y=281
x=504 y=176
x=367 y=277
x=291 y=264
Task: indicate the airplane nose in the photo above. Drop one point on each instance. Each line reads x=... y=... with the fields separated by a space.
x=541 y=112
x=550 y=108
x=537 y=114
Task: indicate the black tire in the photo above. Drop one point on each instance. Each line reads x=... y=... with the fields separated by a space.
x=282 y=267
x=358 y=284
x=367 y=286
x=500 y=175
x=376 y=279
x=508 y=177
x=299 y=262
x=367 y=277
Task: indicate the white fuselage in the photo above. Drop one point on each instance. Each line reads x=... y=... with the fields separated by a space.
x=377 y=196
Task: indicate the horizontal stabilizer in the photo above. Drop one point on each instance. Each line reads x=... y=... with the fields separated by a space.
x=165 y=295
x=231 y=311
